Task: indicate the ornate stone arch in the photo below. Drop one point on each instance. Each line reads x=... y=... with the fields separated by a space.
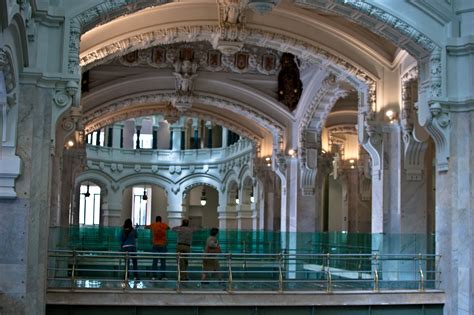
x=229 y=178
x=102 y=180
x=95 y=119
x=196 y=180
x=150 y=179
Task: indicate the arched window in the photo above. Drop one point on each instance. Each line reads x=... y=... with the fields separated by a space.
x=89 y=205
x=141 y=205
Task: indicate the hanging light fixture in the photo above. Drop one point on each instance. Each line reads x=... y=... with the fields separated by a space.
x=252 y=199
x=203 y=197
x=87 y=193
x=237 y=201
x=144 y=197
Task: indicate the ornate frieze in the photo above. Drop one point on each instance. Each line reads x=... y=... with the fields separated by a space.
x=251 y=59
x=370 y=11
x=262 y=38
x=410 y=39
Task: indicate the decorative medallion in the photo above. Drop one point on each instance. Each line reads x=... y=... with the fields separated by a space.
x=214 y=58
x=241 y=60
x=158 y=55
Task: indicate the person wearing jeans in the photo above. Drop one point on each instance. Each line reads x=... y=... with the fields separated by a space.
x=160 y=245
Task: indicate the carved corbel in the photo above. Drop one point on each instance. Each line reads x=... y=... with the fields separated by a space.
x=374 y=146
x=436 y=120
x=67 y=96
x=414 y=149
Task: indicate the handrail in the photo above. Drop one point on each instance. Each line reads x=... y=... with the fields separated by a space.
x=271 y=271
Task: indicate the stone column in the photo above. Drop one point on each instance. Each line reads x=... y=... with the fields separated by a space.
x=245 y=214
x=116 y=135
x=137 y=142
x=209 y=134
x=111 y=206
x=226 y=211
x=375 y=145
x=175 y=208
x=176 y=136
x=225 y=135
x=26 y=223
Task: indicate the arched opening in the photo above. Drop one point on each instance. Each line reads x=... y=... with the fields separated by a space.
x=202 y=215
x=89 y=204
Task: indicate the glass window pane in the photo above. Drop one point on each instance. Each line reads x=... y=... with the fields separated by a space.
x=96 y=208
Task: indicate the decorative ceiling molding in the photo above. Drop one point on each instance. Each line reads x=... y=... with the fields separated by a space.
x=377 y=20
x=390 y=27
x=122 y=109
x=107 y=10
x=343 y=129
x=258 y=37
x=251 y=59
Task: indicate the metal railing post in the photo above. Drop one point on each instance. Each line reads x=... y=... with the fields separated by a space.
x=421 y=286
x=73 y=271
x=126 y=271
x=328 y=273
x=178 y=281
x=229 y=281
x=376 y=275
x=280 y=273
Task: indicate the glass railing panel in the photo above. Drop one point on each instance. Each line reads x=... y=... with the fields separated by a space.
x=237 y=272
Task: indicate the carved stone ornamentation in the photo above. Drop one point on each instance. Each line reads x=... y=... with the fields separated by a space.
x=185 y=73
x=6 y=66
x=374 y=146
x=229 y=39
x=414 y=150
x=420 y=44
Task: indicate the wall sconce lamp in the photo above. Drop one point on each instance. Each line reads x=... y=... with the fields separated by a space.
x=144 y=197
x=268 y=160
x=237 y=201
x=351 y=162
x=391 y=115
x=292 y=152
x=203 y=197
x=70 y=144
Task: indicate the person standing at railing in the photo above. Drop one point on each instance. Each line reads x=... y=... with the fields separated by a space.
x=183 y=246
x=211 y=264
x=160 y=245
x=128 y=239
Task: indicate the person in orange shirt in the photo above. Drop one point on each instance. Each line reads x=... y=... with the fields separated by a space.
x=160 y=244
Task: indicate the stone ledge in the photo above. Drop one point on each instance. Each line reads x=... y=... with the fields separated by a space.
x=223 y=298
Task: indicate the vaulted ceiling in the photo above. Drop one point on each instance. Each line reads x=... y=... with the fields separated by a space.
x=131 y=63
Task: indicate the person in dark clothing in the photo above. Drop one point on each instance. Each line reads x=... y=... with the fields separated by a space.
x=128 y=240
